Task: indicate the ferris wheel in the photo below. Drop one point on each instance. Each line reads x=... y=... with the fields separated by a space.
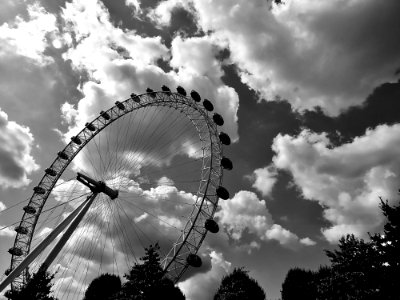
x=148 y=170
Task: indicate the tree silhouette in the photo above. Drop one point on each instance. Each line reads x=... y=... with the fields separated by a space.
x=103 y=287
x=38 y=287
x=388 y=247
x=147 y=281
x=359 y=269
x=299 y=284
x=239 y=286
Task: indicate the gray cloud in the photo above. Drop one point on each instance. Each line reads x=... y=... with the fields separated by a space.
x=16 y=161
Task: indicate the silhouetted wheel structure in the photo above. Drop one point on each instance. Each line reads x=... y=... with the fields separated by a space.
x=152 y=168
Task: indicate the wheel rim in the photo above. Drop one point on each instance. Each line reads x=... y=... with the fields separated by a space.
x=206 y=201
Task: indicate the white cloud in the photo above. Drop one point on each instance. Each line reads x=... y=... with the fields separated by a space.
x=16 y=161
x=163 y=12
x=135 y=4
x=8 y=232
x=204 y=285
x=2 y=206
x=165 y=181
x=113 y=234
x=311 y=53
x=29 y=38
x=307 y=241
x=346 y=181
x=121 y=61
x=264 y=179
x=245 y=212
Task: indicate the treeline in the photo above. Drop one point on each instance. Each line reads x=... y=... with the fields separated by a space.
x=145 y=281
x=358 y=270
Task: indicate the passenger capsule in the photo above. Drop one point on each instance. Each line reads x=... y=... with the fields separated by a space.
x=21 y=230
x=120 y=105
x=224 y=138
x=39 y=190
x=7 y=272
x=50 y=172
x=76 y=140
x=105 y=115
x=62 y=155
x=164 y=88
x=195 y=96
x=29 y=210
x=208 y=105
x=217 y=118
x=222 y=193
x=15 y=251
x=133 y=96
x=181 y=90
x=90 y=126
x=211 y=226
x=226 y=163
x=194 y=260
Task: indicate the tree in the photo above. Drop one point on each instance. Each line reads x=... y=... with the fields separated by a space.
x=359 y=269
x=103 y=287
x=388 y=247
x=299 y=284
x=38 y=287
x=239 y=286
x=147 y=281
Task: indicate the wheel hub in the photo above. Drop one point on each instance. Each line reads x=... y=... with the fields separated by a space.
x=97 y=186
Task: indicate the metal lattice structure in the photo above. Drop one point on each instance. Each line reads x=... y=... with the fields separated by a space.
x=209 y=189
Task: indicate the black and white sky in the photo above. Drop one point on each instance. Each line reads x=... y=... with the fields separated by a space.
x=309 y=91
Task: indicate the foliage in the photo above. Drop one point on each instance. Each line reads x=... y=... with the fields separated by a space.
x=146 y=281
x=239 y=286
x=298 y=284
x=388 y=247
x=103 y=287
x=38 y=287
x=359 y=270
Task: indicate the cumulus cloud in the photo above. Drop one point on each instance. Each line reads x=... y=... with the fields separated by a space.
x=121 y=61
x=113 y=234
x=29 y=38
x=7 y=232
x=204 y=285
x=2 y=206
x=308 y=52
x=165 y=181
x=246 y=213
x=347 y=180
x=16 y=160
x=264 y=179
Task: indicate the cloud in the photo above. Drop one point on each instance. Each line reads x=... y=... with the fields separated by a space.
x=162 y=14
x=347 y=180
x=7 y=232
x=16 y=160
x=29 y=38
x=246 y=213
x=113 y=234
x=121 y=61
x=165 y=181
x=204 y=285
x=264 y=179
x=308 y=52
x=307 y=241
x=2 y=206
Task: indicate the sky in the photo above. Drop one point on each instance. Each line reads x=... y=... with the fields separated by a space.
x=309 y=91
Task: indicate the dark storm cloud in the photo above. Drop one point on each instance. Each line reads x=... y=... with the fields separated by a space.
x=9 y=166
x=381 y=107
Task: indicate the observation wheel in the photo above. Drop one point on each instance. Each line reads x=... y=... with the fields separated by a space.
x=148 y=170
